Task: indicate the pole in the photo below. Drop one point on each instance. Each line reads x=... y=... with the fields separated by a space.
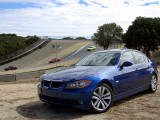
x=56 y=58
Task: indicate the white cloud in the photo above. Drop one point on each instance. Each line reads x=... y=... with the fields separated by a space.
x=22 y=1
x=70 y=18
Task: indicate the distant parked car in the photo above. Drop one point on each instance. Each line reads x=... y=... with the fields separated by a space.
x=10 y=68
x=55 y=60
x=99 y=79
x=91 y=48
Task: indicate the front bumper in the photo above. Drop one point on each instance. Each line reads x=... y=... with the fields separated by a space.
x=76 y=98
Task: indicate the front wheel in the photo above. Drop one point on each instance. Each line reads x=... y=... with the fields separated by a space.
x=102 y=98
x=153 y=84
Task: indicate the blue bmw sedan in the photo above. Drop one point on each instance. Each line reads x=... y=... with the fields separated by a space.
x=99 y=79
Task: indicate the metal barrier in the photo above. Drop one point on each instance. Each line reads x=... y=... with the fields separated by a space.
x=55 y=69
x=29 y=75
x=21 y=76
x=7 y=78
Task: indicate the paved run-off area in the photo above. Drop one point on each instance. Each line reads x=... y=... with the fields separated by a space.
x=19 y=101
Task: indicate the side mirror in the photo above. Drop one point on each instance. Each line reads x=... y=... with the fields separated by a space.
x=126 y=64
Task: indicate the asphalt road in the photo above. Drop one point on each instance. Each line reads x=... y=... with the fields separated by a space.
x=83 y=52
x=41 y=56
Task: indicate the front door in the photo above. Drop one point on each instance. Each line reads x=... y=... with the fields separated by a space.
x=128 y=75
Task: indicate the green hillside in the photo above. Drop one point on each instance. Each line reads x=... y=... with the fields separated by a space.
x=10 y=43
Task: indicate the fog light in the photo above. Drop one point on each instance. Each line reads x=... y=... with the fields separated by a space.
x=80 y=102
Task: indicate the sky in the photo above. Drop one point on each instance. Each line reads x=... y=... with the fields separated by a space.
x=71 y=17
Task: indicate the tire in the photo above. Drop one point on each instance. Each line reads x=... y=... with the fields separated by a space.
x=102 y=98
x=153 y=84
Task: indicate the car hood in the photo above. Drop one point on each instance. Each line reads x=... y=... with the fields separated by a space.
x=80 y=73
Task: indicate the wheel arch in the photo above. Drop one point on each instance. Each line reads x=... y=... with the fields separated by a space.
x=108 y=83
x=155 y=74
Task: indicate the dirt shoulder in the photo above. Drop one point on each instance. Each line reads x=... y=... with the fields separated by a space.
x=20 y=102
x=156 y=57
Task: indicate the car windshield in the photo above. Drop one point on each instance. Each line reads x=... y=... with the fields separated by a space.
x=100 y=59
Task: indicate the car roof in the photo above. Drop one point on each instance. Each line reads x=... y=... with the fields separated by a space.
x=118 y=50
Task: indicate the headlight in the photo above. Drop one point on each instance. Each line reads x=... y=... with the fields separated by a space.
x=78 y=84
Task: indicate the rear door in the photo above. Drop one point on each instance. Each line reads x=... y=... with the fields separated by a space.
x=142 y=67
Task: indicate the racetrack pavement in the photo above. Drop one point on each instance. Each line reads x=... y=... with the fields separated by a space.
x=39 y=59
x=43 y=55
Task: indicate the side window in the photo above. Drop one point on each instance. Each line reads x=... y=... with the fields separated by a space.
x=127 y=56
x=139 y=57
x=145 y=58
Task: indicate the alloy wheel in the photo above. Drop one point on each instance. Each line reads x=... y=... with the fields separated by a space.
x=102 y=98
x=154 y=83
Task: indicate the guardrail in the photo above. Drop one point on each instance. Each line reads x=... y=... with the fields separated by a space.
x=25 y=53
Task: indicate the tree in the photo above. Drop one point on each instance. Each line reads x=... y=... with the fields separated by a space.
x=31 y=39
x=9 y=43
x=157 y=27
x=2 y=50
x=107 y=34
x=143 y=34
x=80 y=38
x=67 y=38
